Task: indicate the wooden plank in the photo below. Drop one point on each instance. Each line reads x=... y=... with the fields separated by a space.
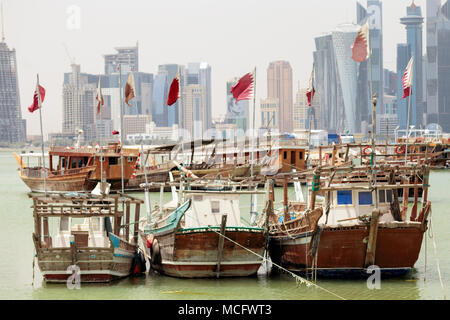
x=221 y=243
x=137 y=211
x=372 y=242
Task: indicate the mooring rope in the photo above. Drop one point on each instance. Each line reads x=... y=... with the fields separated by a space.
x=299 y=280
x=437 y=260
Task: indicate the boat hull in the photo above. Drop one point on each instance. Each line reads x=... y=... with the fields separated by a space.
x=72 y=184
x=194 y=253
x=342 y=251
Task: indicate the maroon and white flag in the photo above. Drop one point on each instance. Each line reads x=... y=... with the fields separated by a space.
x=174 y=91
x=243 y=89
x=360 y=48
x=129 y=89
x=311 y=91
x=407 y=79
x=115 y=132
x=37 y=103
x=99 y=96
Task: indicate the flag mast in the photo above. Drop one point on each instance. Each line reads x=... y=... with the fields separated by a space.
x=121 y=126
x=408 y=115
x=38 y=89
x=100 y=136
x=252 y=196
x=374 y=113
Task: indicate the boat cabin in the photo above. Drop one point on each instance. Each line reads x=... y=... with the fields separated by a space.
x=207 y=209
x=348 y=202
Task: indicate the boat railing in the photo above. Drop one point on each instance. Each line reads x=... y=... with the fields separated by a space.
x=36 y=172
x=86 y=149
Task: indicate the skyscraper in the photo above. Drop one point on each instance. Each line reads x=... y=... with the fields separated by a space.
x=170 y=113
x=12 y=126
x=413 y=22
x=438 y=62
x=193 y=116
x=337 y=82
x=79 y=104
x=373 y=13
x=279 y=86
x=128 y=57
x=200 y=73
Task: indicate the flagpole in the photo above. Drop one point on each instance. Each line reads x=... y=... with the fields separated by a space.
x=100 y=138
x=121 y=127
x=252 y=202
x=374 y=112
x=407 y=126
x=42 y=134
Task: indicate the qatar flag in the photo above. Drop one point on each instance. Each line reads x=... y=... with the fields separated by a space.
x=174 y=91
x=360 y=48
x=311 y=91
x=243 y=89
x=99 y=97
x=129 y=89
x=115 y=132
x=37 y=104
x=407 y=79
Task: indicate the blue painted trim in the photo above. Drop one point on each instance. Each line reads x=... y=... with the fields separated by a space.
x=114 y=240
x=173 y=219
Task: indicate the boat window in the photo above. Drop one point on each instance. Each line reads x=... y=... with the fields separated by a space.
x=95 y=224
x=382 y=196
x=300 y=155
x=365 y=198
x=102 y=159
x=285 y=155
x=344 y=197
x=113 y=160
x=215 y=206
x=130 y=159
x=389 y=196
x=64 y=224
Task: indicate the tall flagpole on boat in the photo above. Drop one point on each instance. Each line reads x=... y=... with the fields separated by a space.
x=407 y=118
x=252 y=199
x=374 y=112
x=122 y=144
x=42 y=134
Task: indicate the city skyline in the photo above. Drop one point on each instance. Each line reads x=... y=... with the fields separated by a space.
x=222 y=45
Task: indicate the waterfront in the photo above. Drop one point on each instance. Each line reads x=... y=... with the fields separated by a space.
x=17 y=251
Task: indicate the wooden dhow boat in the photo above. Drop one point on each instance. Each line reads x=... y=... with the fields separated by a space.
x=203 y=237
x=90 y=234
x=76 y=169
x=360 y=224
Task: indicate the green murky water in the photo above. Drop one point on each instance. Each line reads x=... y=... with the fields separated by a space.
x=16 y=252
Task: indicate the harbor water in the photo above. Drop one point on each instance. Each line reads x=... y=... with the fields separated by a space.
x=17 y=252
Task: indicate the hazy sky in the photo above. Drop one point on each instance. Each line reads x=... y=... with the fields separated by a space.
x=233 y=36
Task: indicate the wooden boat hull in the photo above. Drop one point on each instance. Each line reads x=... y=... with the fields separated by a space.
x=67 y=184
x=99 y=265
x=194 y=253
x=342 y=251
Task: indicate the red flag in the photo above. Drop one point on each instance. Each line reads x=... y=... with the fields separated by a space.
x=174 y=91
x=360 y=48
x=311 y=91
x=407 y=79
x=243 y=89
x=99 y=97
x=129 y=89
x=115 y=132
x=36 y=104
